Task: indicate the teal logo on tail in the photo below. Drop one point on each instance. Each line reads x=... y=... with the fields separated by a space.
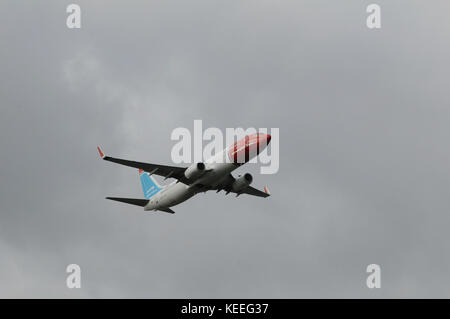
x=149 y=185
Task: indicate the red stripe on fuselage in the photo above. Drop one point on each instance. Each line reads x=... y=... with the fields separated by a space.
x=249 y=146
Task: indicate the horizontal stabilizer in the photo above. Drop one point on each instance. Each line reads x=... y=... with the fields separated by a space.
x=167 y=210
x=132 y=201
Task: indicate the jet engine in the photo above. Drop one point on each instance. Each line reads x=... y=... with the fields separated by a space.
x=195 y=171
x=242 y=182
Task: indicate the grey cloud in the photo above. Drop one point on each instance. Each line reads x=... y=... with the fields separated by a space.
x=363 y=118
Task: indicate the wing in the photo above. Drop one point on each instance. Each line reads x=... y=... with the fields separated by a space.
x=229 y=180
x=256 y=192
x=161 y=170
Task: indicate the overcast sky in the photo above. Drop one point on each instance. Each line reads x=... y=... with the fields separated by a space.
x=364 y=158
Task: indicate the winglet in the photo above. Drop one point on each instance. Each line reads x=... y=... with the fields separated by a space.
x=102 y=155
x=266 y=190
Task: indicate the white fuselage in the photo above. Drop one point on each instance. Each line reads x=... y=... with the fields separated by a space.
x=217 y=168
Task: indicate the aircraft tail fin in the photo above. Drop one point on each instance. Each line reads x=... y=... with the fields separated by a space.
x=150 y=186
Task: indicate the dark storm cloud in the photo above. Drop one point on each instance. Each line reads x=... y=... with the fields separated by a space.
x=363 y=118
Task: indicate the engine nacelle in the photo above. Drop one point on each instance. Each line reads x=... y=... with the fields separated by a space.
x=195 y=171
x=242 y=182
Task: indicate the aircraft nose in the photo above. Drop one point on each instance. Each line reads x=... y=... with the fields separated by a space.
x=265 y=138
x=263 y=141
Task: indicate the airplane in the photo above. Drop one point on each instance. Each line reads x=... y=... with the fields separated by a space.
x=214 y=174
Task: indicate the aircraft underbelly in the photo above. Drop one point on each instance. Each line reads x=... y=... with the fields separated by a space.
x=218 y=172
x=175 y=195
x=180 y=192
